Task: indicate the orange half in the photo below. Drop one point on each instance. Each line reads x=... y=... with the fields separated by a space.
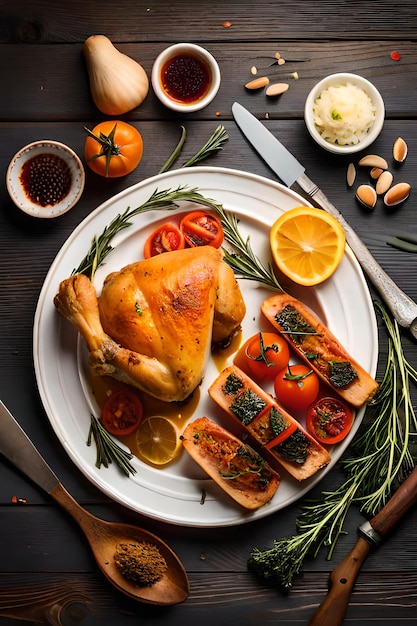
x=307 y=244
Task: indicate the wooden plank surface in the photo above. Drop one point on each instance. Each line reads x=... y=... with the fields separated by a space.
x=47 y=575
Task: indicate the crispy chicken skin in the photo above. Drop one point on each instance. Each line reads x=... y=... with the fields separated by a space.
x=153 y=324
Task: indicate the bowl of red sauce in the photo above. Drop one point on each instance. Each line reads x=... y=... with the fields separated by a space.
x=45 y=178
x=185 y=77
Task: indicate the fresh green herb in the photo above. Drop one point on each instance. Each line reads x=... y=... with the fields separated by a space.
x=176 y=153
x=294 y=448
x=107 y=449
x=278 y=421
x=243 y=260
x=253 y=461
x=213 y=145
x=263 y=356
x=335 y=115
x=342 y=373
x=247 y=406
x=293 y=323
x=166 y=199
x=232 y=385
x=383 y=458
x=138 y=309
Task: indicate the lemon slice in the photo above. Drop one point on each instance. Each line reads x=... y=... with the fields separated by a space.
x=157 y=440
x=307 y=244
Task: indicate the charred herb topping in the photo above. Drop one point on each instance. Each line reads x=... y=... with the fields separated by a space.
x=232 y=385
x=278 y=421
x=293 y=323
x=295 y=448
x=341 y=373
x=247 y=461
x=141 y=563
x=247 y=406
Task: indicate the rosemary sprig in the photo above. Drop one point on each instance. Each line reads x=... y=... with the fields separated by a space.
x=212 y=145
x=166 y=199
x=108 y=449
x=384 y=459
x=176 y=153
x=243 y=260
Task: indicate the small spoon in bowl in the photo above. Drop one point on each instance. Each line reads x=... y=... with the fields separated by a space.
x=103 y=536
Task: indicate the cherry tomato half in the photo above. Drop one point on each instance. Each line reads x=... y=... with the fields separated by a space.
x=165 y=238
x=202 y=229
x=263 y=356
x=296 y=387
x=329 y=420
x=113 y=148
x=122 y=412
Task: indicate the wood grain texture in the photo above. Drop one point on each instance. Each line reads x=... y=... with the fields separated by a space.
x=47 y=575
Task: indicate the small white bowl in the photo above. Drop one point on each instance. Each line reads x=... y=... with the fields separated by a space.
x=51 y=158
x=185 y=58
x=343 y=78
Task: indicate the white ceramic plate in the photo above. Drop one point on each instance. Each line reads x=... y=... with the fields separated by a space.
x=173 y=494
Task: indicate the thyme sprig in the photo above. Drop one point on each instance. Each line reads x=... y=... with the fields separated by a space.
x=214 y=144
x=242 y=259
x=108 y=449
x=166 y=199
x=383 y=459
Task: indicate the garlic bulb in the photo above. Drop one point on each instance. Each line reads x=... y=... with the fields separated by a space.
x=118 y=83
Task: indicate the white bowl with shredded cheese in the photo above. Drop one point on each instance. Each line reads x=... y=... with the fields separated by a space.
x=344 y=113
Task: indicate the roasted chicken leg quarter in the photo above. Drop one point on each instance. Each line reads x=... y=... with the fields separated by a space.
x=154 y=323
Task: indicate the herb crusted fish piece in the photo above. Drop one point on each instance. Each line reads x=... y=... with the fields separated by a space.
x=319 y=348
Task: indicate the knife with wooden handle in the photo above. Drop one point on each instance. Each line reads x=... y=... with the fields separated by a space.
x=332 y=610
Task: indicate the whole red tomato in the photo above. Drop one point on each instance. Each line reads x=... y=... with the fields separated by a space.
x=113 y=148
x=263 y=356
x=296 y=387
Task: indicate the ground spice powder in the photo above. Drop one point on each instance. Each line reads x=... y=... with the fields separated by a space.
x=140 y=563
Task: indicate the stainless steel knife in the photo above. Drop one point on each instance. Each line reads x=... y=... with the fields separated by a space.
x=16 y=446
x=290 y=171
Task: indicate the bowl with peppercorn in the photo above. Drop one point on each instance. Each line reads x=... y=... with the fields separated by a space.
x=45 y=179
x=185 y=77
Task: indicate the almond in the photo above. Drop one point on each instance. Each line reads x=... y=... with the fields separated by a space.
x=350 y=174
x=375 y=173
x=366 y=195
x=397 y=194
x=399 y=150
x=383 y=183
x=373 y=160
x=258 y=83
x=276 y=89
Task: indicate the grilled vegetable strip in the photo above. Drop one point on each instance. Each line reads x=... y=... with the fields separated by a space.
x=314 y=343
x=282 y=438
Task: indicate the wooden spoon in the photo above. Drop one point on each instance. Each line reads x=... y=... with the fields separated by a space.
x=102 y=536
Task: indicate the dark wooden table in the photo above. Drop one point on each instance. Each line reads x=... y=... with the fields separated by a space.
x=47 y=574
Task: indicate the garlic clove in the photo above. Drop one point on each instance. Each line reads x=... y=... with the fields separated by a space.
x=366 y=195
x=350 y=174
x=397 y=194
x=374 y=160
x=400 y=150
x=383 y=183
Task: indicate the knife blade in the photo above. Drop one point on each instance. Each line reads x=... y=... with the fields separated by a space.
x=16 y=446
x=290 y=171
x=332 y=610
